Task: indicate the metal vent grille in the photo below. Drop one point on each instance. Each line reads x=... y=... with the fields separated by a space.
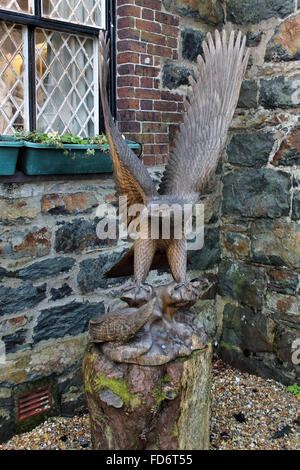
x=33 y=403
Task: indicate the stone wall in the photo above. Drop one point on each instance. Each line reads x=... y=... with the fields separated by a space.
x=47 y=240
x=52 y=263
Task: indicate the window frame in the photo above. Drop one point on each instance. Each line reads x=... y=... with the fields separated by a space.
x=36 y=20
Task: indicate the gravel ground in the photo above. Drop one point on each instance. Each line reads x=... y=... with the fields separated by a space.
x=252 y=413
x=248 y=412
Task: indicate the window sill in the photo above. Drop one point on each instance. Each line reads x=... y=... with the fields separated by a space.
x=20 y=177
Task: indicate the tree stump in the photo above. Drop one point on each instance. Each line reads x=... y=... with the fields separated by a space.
x=135 y=407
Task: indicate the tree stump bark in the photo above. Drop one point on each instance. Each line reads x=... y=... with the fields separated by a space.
x=134 y=407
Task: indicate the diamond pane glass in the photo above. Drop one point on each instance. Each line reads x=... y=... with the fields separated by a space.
x=11 y=78
x=24 y=6
x=65 y=83
x=85 y=12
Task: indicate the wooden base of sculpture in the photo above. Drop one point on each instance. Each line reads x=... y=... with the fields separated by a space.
x=162 y=407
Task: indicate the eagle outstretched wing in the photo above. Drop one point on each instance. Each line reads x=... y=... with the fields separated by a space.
x=131 y=176
x=210 y=104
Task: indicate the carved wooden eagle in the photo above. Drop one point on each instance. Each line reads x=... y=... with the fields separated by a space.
x=209 y=106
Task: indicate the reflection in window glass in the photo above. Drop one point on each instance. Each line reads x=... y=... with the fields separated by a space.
x=86 y=12
x=11 y=78
x=24 y=6
x=65 y=83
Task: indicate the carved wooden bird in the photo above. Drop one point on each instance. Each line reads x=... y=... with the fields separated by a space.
x=121 y=325
x=209 y=106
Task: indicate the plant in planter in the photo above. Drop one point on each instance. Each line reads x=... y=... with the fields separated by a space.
x=53 y=153
x=9 y=152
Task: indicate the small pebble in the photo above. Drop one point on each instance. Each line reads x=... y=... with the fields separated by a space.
x=84 y=443
x=297 y=420
x=282 y=432
x=239 y=417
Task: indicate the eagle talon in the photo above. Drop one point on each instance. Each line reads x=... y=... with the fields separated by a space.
x=137 y=295
x=184 y=293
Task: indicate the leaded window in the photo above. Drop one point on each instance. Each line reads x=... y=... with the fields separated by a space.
x=24 y=6
x=49 y=65
x=86 y=12
x=12 y=77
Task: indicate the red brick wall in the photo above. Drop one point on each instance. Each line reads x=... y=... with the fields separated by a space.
x=146 y=113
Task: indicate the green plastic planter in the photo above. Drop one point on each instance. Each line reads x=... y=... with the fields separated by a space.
x=42 y=159
x=9 y=151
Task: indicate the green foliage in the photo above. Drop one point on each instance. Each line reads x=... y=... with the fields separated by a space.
x=295 y=389
x=59 y=140
x=226 y=346
x=175 y=430
x=120 y=388
x=159 y=392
